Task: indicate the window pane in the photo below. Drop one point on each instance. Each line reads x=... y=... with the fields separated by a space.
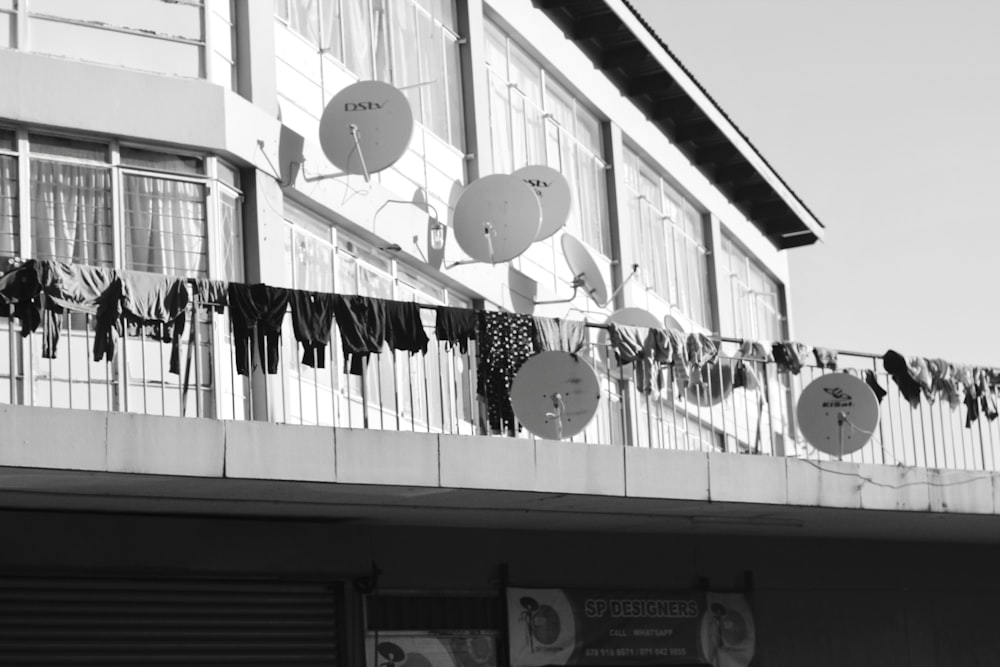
x=110 y=47
x=7 y=140
x=9 y=246
x=165 y=226
x=155 y=16
x=8 y=31
x=146 y=159
x=357 y=37
x=231 y=229
x=71 y=213
x=84 y=150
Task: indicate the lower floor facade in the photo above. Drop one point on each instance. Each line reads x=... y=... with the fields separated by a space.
x=179 y=587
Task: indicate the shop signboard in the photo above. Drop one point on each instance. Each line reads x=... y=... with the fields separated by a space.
x=554 y=626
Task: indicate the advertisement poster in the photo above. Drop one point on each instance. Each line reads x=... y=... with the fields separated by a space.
x=553 y=626
x=430 y=649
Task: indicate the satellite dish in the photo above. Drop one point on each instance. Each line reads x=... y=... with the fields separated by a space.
x=555 y=394
x=585 y=269
x=633 y=317
x=837 y=413
x=552 y=190
x=366 y=127
x=715 y=386
x=672 y=323
x=496 y=218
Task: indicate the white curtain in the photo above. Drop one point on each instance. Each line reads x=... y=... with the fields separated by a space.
x=71 y=213
x=8 y=206
x=165 y=226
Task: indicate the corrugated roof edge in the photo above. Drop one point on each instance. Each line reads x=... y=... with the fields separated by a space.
x=645 y=24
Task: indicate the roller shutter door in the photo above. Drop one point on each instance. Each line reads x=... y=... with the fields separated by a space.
x=57 y=621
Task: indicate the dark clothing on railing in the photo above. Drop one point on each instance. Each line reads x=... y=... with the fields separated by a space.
x=159 y=303
x=83 y=289
x=259 y=308
x=212 y=293
x=872 y=382
x=20 y=288
x=404 y=330
x=456 y=326
x=825 y=357
x=361 y=321
x=895 y=365
x=791 y=356
x=505 y=342
x=312 y=323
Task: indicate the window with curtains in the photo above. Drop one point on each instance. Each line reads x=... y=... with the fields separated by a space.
x=750 y=300
x=121 y=206
x=535 y=120
x=412 y=44
x=668 y=240
x=193 y=38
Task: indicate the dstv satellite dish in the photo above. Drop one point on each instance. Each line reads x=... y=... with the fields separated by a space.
x=555 y=394
x=715 y=385
x=671 y=323
x=496 y=218
x=837 y=413
x=552 y=190
x=632 y=317
x=585 y=270
x=366 y=127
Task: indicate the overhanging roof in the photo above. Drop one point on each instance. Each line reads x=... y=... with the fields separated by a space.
x=626 y=49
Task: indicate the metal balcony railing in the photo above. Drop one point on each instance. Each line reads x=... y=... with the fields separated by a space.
x=437 y=393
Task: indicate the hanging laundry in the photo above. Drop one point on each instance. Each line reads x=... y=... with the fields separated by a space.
x=257 y=309
x=825 y=357
x=679 y=364
x=943 y=381
x=744 y=376
x=456 y=326
x=82 y=289
x=756 y=350
x=895 y=364
x=791 y=356
x=701 y=351
x=361 y=322
x=404 y=328
x=312 y=324
x=917 y=368
x=648 y=350
x=212 y=293
x=505 y=342
x=559 y=335
x=20 y=288
x=872 y=382
x=158 y=303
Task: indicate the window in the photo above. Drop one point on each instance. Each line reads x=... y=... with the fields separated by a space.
x=750 y=303
x=163 y=36
x=412 y=44
x=668 y=241
x=121 y=206
x=535 y=120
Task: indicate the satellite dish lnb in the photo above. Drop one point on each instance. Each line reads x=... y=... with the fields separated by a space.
x=555 y=394
x=837 y=413
x=552 y=190
x=366 y=127
x=496 y=218
x=585 y=269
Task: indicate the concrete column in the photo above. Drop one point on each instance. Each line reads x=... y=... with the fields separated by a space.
x=475 y=91
x=718 y=278
x=255 y=54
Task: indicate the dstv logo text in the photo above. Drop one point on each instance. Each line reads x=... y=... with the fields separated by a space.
x=363 y=106
x=841 y=399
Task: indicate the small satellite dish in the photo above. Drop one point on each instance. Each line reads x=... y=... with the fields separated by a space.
x=585 y=269
x=555 y=394
x=671 y=323
x=633 y=317
x=716 y=383
x=366 y=127
x=496 y=218
x=552 y=190
x=837 y=413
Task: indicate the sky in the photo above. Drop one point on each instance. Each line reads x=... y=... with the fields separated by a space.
x=884 y=117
